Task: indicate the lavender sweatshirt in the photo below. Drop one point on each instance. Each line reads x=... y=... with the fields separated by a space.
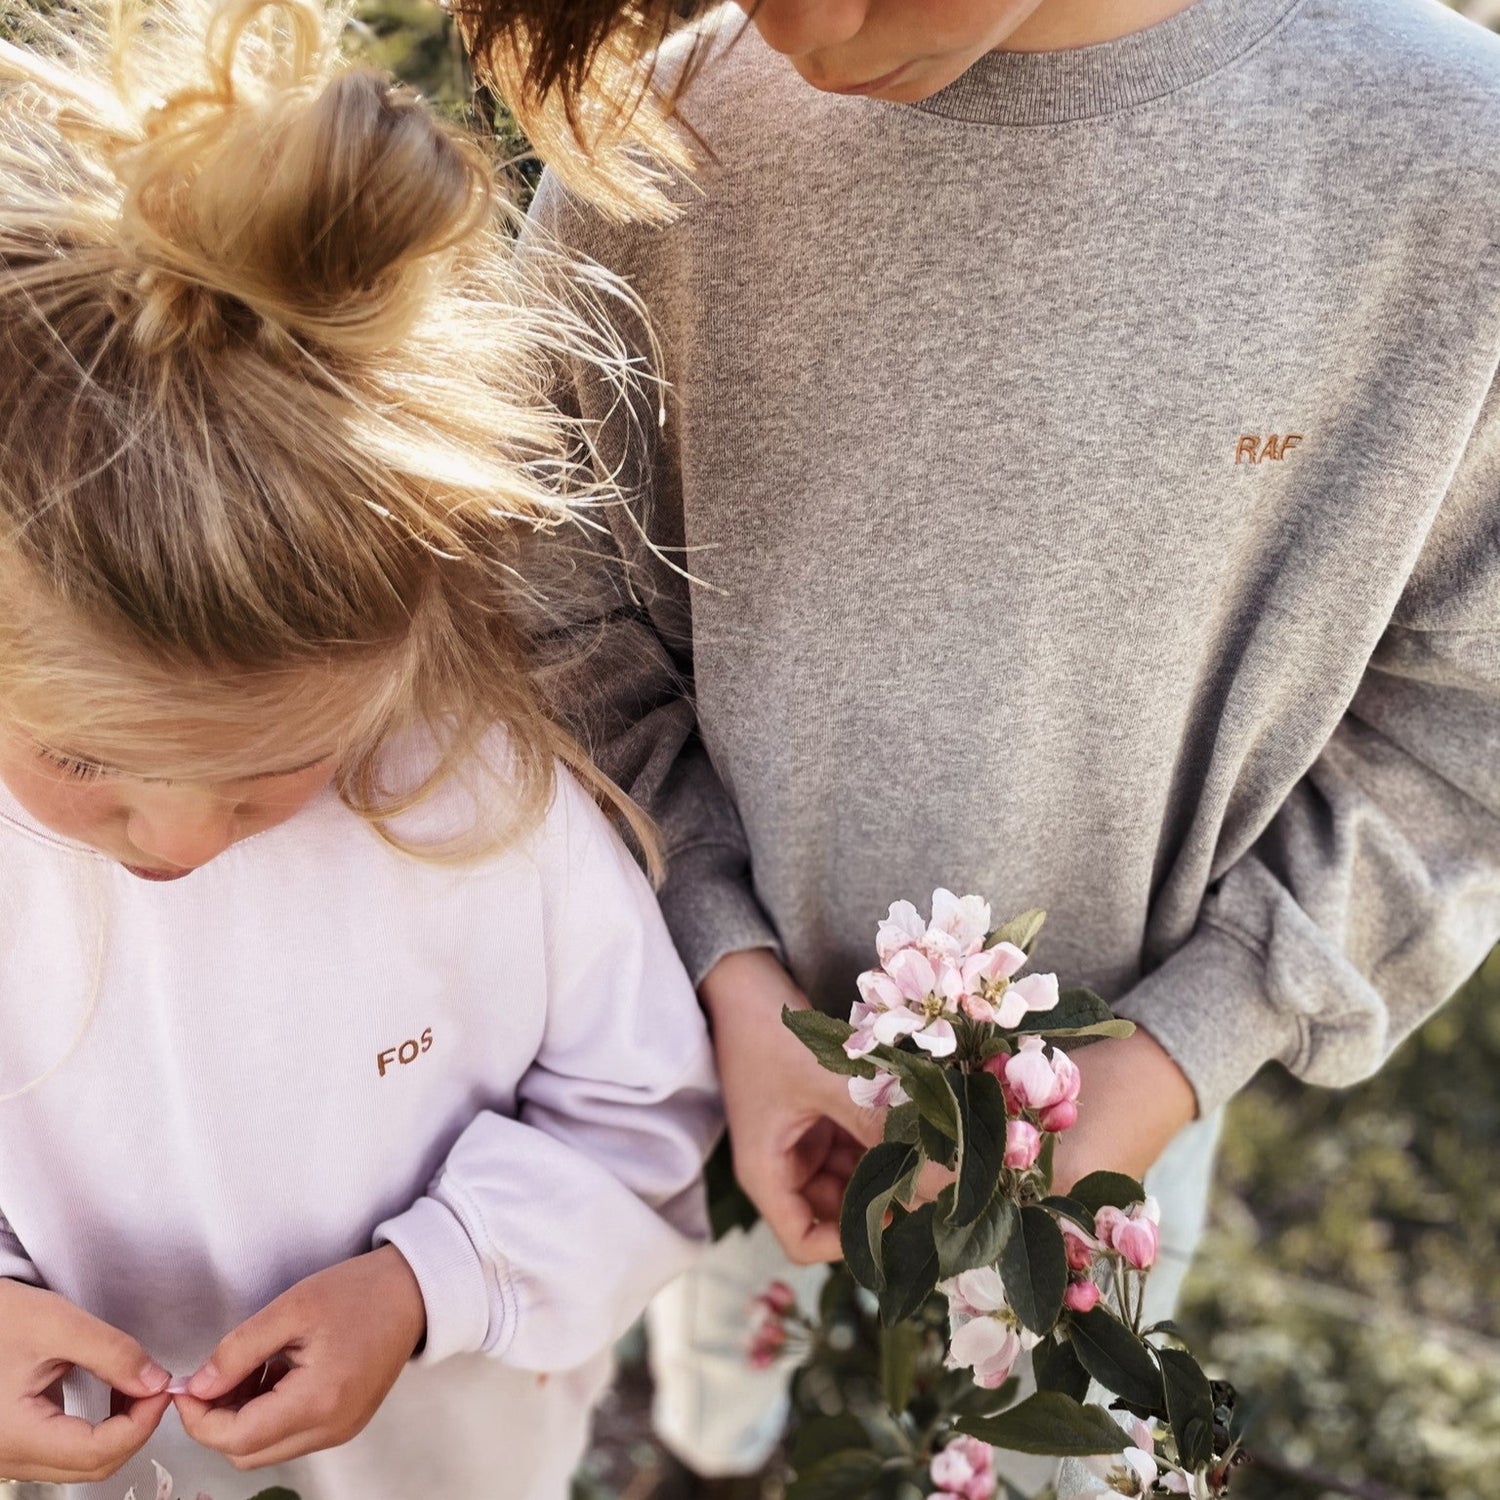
x=316 y=1044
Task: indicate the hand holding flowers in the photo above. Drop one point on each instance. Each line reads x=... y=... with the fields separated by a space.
x=965 y=1054
x=796 y=1133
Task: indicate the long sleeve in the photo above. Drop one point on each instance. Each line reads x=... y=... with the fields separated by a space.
x=622 y=671
x=1375 y=890
x=15 y=1264
x=542 y=1237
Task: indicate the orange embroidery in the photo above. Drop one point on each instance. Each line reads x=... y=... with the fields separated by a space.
x=408 y=1052
x=1249 y=446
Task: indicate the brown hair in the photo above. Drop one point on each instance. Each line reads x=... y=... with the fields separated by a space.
x=275 y=439
x=581 y=78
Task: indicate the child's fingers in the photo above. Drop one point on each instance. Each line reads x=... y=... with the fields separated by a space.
x=807 y=1237
x=296 y=1410
x=825 y=1195
x=67 y=1450
x=93 y=1345
x=243 y=1350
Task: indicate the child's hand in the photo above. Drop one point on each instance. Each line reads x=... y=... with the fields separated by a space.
x=344 y=1335
x=42 y=1337
x=796 y=1134
x=1133 y=1100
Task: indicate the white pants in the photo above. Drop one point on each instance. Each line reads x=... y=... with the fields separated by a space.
x=720 y=1417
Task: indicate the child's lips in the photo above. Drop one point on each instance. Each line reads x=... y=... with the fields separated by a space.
x=142 y=873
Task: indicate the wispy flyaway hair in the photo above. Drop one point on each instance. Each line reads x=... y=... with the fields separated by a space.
x=274 y=434
x=580 y=77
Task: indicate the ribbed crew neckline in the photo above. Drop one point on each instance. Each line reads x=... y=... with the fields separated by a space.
x=1040 y=88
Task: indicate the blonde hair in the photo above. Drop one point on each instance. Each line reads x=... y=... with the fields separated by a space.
x=273 y=377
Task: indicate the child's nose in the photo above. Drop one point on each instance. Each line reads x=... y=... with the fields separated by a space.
x=183 y=836
x=796 y=27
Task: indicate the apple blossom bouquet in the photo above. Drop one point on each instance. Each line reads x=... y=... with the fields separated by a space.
x=963 y=1051
x=165 y=1489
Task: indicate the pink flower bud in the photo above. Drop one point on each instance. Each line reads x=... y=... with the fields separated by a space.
x=1133 y=1235
x=780 y=1298
x=951 y=1469
x=766 y=1343
x=1063 y=1116
x=1081 y=1296
x=1029 y=1073
x=1138 y=1241
x=996 y=1066
x=1023 y=1143
x=1079 y=1251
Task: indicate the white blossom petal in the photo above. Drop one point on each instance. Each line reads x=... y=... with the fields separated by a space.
x=938 y=1038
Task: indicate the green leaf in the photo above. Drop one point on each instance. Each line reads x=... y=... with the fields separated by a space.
x=1107 y=1190
x=276 y=1492
x=1052 y=1424
x=968 y=1246
x=1117 y=1359
x=1056 y=1366
x=976 y=1401
x=899 y=1347
x=935 y=1145
x=909 y=1260
x=1045 y=1155
x=1190 y=1407
x=1071 y=1209
x=1118 y=1027
x=815 y=1440
x=849 y=1475
x=824 y=1036
x=981 y=1146
x=903 y=1124
x=866 y=1200
x=1022 y=930
x=926 y=1084
x=1034 y=1268
x=1074 y=1009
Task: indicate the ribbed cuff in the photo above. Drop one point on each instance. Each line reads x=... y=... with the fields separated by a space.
x=1207 y=1005
x=710 y=908
x=450 y=1273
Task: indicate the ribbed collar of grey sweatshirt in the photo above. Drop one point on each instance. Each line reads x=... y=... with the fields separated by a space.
x=1044 y=88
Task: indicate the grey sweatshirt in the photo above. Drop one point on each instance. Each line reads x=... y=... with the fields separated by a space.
x=1091 y=476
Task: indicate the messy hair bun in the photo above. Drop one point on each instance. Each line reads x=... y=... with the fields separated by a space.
x=273 y=376
x=280 y=194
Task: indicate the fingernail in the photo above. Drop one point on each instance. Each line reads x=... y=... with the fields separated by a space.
x=154 y=1378
x=204 y=1383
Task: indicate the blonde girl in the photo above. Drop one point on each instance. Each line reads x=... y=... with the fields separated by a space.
x=349 y=1083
